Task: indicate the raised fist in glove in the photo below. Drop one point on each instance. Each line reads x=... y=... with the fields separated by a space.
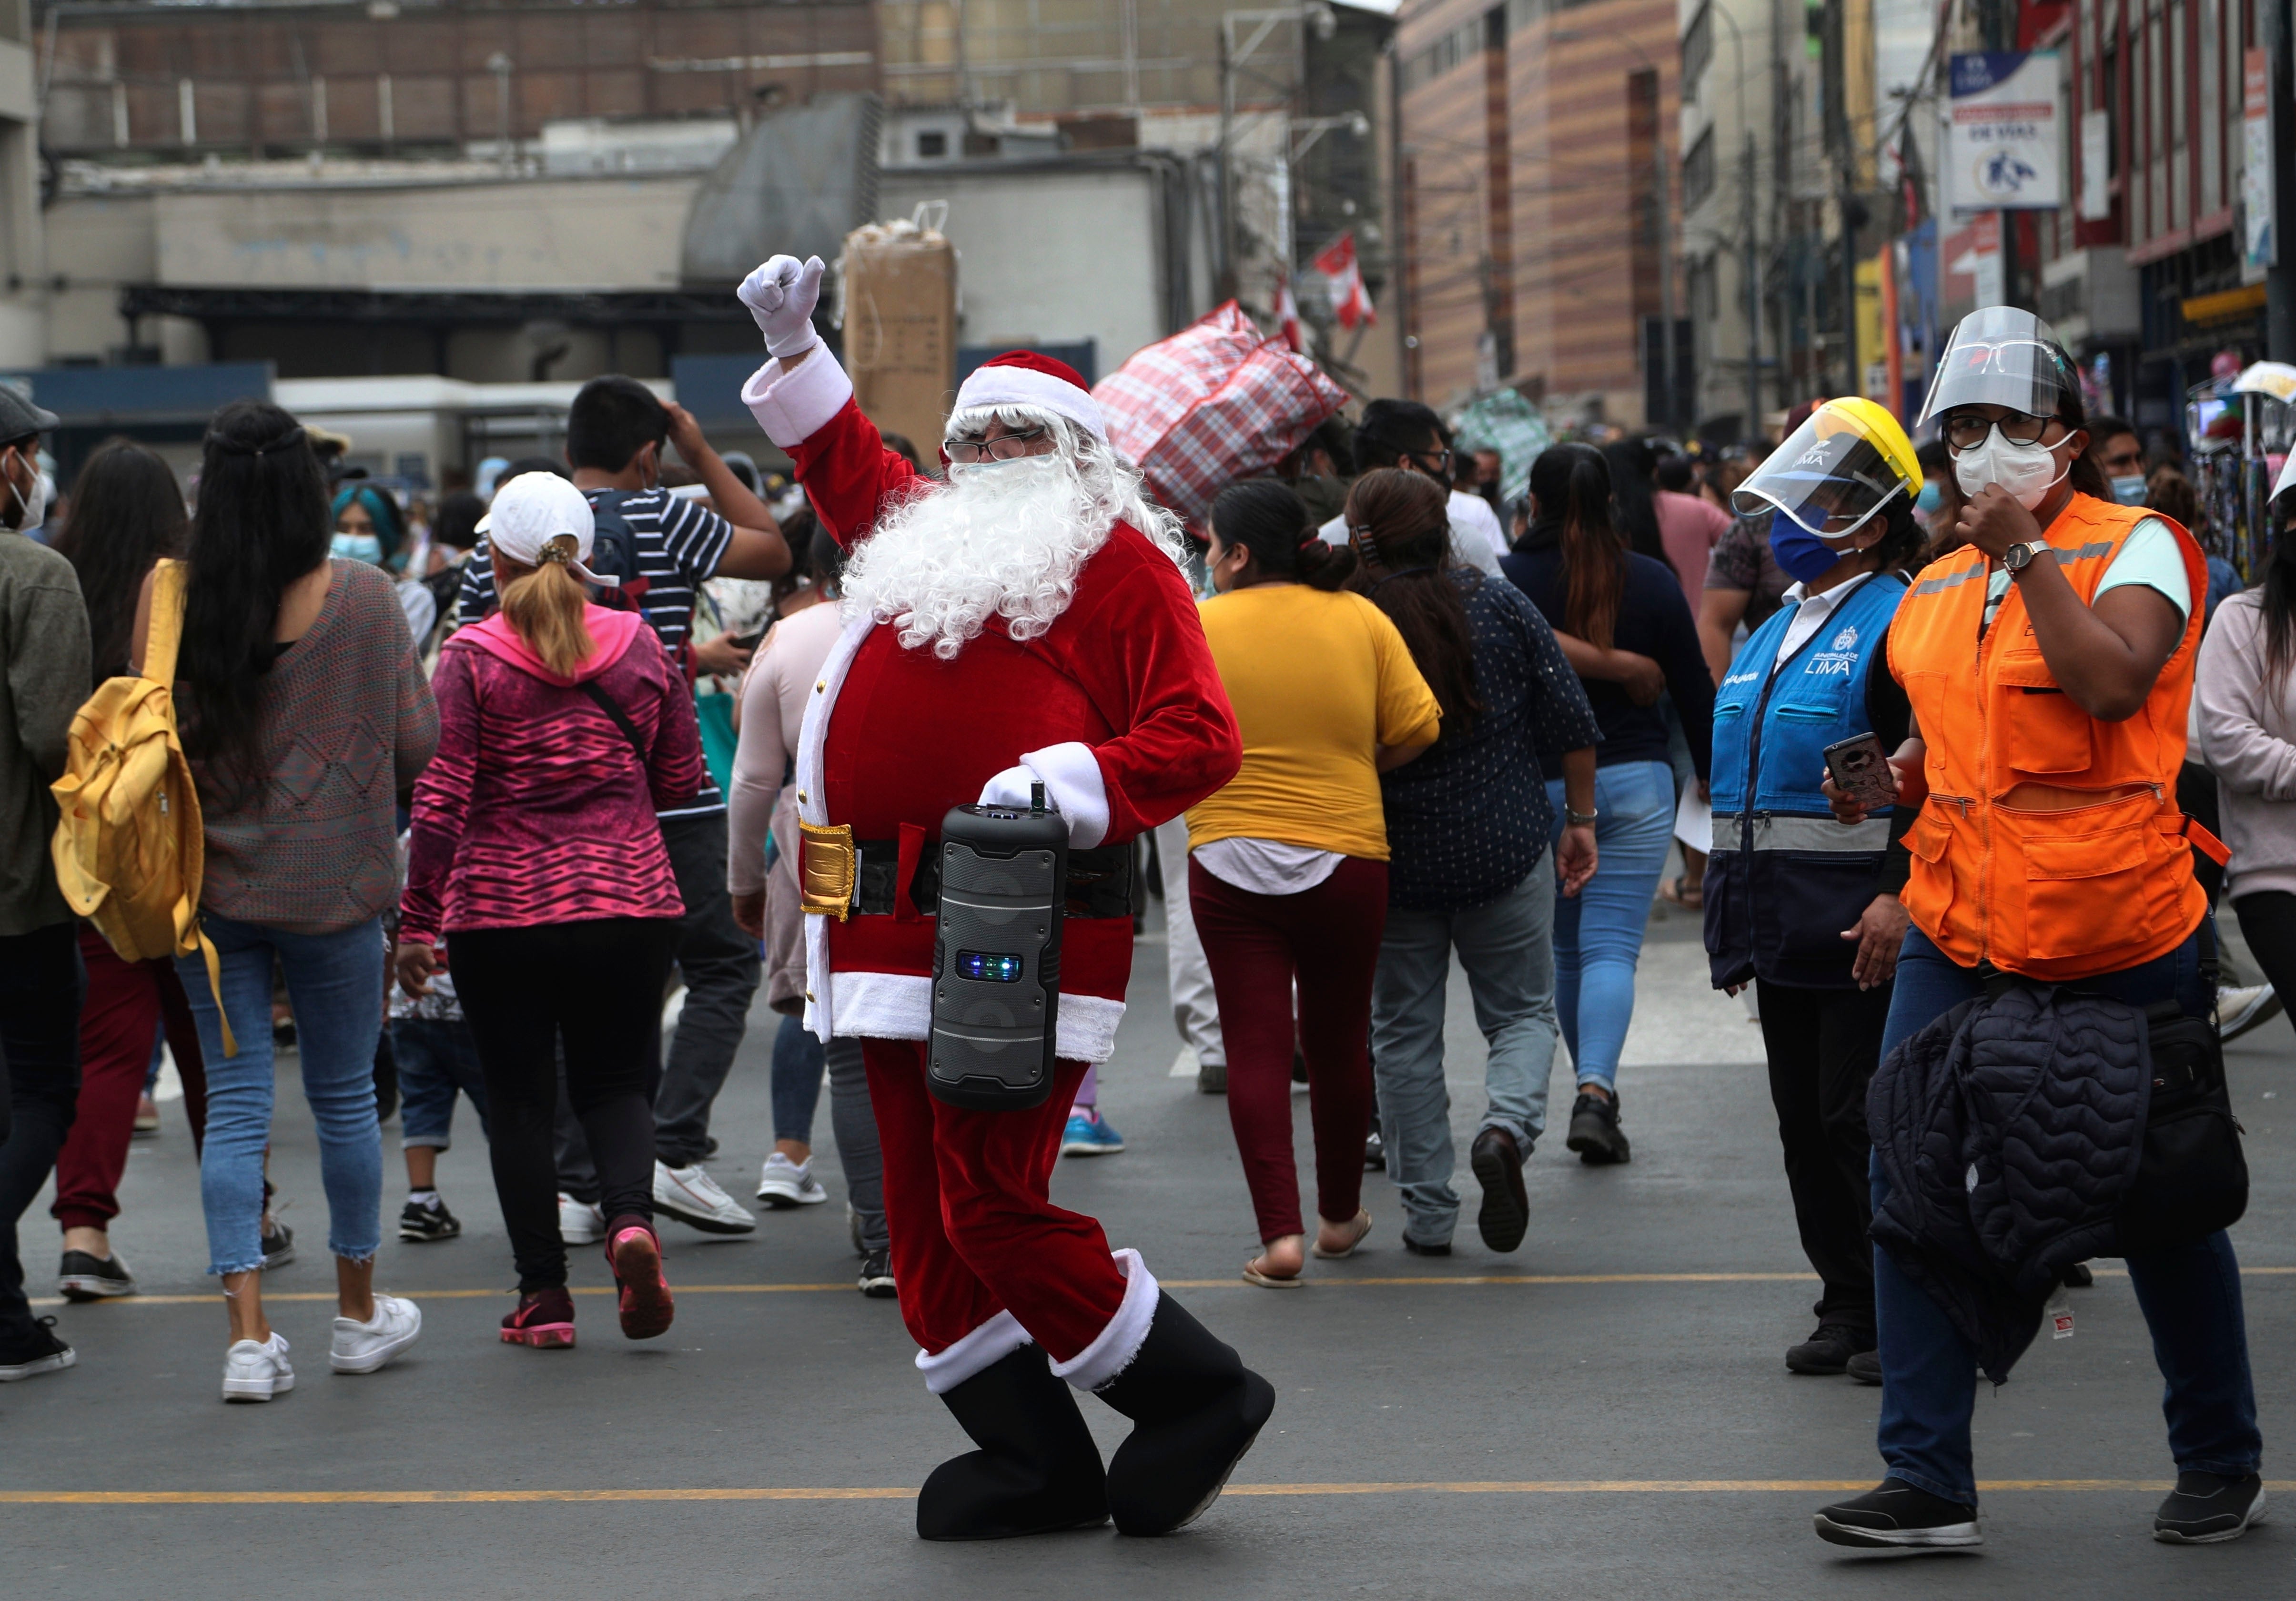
x=780 y=296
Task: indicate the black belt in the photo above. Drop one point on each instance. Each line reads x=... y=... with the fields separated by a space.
x=1100 y=881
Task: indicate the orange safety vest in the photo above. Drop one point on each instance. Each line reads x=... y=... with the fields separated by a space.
x=2052 y=895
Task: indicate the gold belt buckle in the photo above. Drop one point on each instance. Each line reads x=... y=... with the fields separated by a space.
x=827 y=869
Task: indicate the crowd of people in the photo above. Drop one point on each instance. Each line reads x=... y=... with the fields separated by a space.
x=1944 y=738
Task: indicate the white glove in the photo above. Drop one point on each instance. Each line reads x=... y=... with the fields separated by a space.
x=780 y=296
x=1013 y=787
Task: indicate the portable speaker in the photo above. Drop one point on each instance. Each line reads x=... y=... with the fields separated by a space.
x=996 y=956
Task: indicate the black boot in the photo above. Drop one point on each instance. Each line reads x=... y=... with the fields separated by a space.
x=1197 y=1409
x=1037 y=1470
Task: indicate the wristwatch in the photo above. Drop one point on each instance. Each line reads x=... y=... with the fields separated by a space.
x=1579 y=819
x=2019 y=556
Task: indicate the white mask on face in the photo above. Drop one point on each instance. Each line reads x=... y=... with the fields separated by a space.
x=30 y=503
x=2028 y=472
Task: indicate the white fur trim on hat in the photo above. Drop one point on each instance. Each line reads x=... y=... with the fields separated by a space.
x=1025 y=386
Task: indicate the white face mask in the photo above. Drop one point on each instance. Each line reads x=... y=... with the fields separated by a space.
x=2028 y=472
x=31 y=504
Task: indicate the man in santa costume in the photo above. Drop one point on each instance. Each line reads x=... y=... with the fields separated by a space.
x=1027 y=623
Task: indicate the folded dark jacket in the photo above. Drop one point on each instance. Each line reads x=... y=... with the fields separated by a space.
x=2009 y=1131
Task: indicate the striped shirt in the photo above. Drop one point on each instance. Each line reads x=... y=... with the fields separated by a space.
x=679 y=545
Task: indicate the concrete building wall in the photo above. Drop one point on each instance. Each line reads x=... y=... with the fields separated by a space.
x=23 y=332
x=580 y=234
x=1048 y=258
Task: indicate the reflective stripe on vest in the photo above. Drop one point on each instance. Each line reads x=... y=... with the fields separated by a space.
x=2052 y=894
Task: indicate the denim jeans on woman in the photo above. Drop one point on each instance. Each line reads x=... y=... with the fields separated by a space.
x=335 y=985
x=2190 y=1294
x=1598 y=932
x=1507 y=948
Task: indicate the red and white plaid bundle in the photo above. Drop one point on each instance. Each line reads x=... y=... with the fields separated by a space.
x=1216 y=402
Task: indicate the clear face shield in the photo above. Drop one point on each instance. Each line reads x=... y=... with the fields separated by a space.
x=2004 y=357
x=1833 y=475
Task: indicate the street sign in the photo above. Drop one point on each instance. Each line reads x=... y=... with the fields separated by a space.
x=2001 y=146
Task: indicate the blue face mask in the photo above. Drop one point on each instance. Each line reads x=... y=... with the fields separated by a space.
x=2129 y=488
x=1803 y=555
x=1931 y=498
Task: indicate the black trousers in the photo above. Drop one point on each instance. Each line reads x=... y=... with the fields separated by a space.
x=595 y=987
x=42 y=984
x=1823 y=1046
x=2267 y=922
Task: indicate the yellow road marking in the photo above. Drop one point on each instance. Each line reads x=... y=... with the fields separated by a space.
x=1470 y=1487
x=1438 y=1280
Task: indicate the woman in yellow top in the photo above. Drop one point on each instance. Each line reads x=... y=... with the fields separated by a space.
x=1288 y=873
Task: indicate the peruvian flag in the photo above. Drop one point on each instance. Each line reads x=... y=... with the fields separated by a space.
x=1287 y=312
x=1337 y=262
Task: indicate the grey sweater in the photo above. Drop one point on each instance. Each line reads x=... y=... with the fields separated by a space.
x=43 y=681
x=2247 y=737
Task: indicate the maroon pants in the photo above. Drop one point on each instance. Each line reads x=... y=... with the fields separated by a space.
x=127 y=1003
x=974 y=1230
x=1327 y=938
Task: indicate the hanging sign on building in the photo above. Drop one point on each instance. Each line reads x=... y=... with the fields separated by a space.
x=2003 y=145
x=2256 y=246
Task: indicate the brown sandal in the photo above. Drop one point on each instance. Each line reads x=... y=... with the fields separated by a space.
x=1676 y=892
x=1362 y=1226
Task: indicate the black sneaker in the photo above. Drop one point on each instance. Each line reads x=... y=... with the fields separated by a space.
x=1828 y=1351
x=1595 y=1131
x=2076 y=1277
x=1426 y=1248
x=1375 y=1152
x=1864 y=1367
x=2203 y=1509
x=1506 y=1212
x=422 y=1221
x=877 y=1276
x=37 y=1351
x=278 y=1243
x=1894 y=1515
x=87 y=1277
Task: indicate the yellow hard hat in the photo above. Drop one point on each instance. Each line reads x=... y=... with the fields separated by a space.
x=1841 y=466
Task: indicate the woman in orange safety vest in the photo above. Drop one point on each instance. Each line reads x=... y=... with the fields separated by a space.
x=2049 y=665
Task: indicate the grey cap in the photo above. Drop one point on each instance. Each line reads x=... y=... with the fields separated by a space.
x=19 y=417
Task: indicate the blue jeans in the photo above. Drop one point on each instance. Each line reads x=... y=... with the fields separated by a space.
x=334 y=983
x=437 y=1057
x=2190 y=1296
x=1507 y=948
x=798 y=1063
x=1598 y=932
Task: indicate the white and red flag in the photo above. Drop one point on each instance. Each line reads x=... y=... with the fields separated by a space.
x=1287 y=312
x=1337 y=262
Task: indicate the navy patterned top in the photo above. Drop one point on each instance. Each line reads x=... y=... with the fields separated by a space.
x=1468 y=819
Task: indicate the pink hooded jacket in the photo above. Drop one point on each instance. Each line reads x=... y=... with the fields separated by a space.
x=536 y=809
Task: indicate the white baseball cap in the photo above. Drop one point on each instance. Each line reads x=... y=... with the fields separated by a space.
x=534 y=509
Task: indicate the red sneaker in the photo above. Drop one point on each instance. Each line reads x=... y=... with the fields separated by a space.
x=647 y=1304
x=545 y=1320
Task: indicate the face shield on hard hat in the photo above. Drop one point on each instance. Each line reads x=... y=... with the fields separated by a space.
x=1847 y=462
x=2002 y=355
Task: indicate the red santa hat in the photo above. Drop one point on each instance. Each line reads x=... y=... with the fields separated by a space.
x=1024 y=378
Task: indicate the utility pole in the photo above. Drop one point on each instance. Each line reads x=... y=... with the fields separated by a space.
x=1750 y=268
x=2280 y=277
x=1848 y=210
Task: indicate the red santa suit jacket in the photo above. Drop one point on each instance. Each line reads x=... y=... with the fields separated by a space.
x=1118 y=707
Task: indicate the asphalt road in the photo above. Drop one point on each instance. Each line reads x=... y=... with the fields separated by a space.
x=1605 y=1412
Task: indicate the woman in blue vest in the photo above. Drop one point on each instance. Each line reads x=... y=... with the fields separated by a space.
x=1797 y=905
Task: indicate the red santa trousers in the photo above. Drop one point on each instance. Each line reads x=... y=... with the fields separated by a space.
x=985 y=1262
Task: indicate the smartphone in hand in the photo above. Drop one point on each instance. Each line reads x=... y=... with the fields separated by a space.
x=1861 y=770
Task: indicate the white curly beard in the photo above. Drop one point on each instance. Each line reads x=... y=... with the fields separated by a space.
x=1004 y=540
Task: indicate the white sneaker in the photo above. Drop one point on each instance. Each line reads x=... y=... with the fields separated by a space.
x=255 y=1371
x=580 y=1222
x=364 y=1347
x=2240 y=1010
x=693 y=1197
x=785 y=1184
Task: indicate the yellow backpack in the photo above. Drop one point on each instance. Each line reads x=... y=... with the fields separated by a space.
x=129 y=851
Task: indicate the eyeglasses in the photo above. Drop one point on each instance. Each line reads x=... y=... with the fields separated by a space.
x=1440 y=458
x=1966 y=430
x=1005 y=448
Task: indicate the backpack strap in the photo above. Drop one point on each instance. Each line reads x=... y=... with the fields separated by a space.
x=165 y=631
x=606 y=703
